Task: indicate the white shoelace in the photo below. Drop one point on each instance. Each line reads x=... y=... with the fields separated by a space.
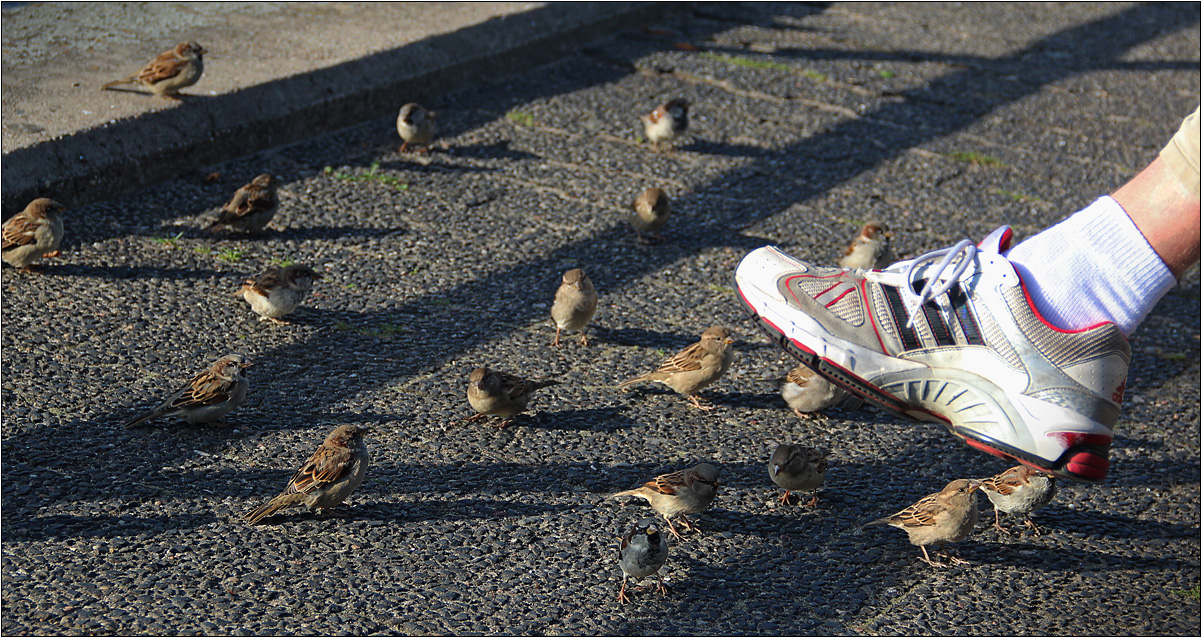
x=933 y=290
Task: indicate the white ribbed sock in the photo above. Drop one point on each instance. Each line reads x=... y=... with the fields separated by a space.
x=1093 y=267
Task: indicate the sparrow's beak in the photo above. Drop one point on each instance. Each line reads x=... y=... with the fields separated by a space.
x=203 y=51
x=248 y=364
x=974 y=485
x=729 y=341
x=651 y=530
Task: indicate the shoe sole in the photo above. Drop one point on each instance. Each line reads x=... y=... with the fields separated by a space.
x=1080 y=456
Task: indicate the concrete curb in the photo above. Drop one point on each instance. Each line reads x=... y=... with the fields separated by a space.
x=129 y=154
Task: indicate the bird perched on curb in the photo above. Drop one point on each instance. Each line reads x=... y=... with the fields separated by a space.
x=1020 y=490
x=675 y=495
x=642 y=553
x=33 y=233
x=416 y=126
x=494 y=393
x=666 y=122
x=208 y=397
x=870 y=249
x=277 y=291
x=649 y=214
x=695 y=367
x=575 y=304
x=171 y=71
x=939 y=518
x=251 y=208
x=334 y=471
x=798 y=467
x=806 y=391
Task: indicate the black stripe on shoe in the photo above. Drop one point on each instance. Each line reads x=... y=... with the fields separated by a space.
x=910 y=340
x=960 y=306
x=939 y=328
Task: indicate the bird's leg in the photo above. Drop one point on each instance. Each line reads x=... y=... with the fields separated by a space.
x=814 y=499
x=556 y=341
x=998 y=523
x=584 y=338
x=274 y=320
x=672 y=530
x=54 y=253
x=927 y=559
x=952 y=558
x=688 y=524
x=784 y=499
x=475 y=418
x=697 y=402
x=622 y=592
x=504 y=423
x=1031 y=524
x=660 y=585
x=404 y=145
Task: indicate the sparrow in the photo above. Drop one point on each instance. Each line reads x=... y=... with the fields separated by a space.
x=798 y=467
x=575 y=304
x=870 y=249
x=642 y=553
x=277 y=292
x=171 y=71
x=210 y=395
x=33 y=233
x=334 y=471
x=1019 y=490
x=675 y=495
x=806 y=391
x=695 y=367
x=939 y=518
x=649 y=214
x=416 y=126
x=251 y=208
x=666 y=122
x=494 y=393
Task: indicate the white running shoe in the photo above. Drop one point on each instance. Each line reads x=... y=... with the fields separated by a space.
x=951 y=337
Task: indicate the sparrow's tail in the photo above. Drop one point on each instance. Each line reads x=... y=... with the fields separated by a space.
x=270 y=508
x=546 y=383
x=109 y=85
x=633 y=380
x=876 y=522
x=634 y=492
x=144 y=418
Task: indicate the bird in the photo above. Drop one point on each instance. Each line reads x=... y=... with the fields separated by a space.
x=695 y=367
x=798 y=467
x=32 y=234
x=870 y=249
x=494 y=393
x=208 y=397
x=416 y=126
x=649 y=214
x=575 y=304
x=666 y=122
x=334 y=471
x=939 y=518
x=1020 y=490
x=642 y=553
x=677 y=494
x=171 y=71
x=251 y=208
x=278 y=291
x=806 y=391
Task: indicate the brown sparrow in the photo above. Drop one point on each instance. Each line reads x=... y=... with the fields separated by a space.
x=1019 y=490
x=211 y=395
x=171 y=71
x=251 y=208
x=806 y=391
x=695 y=367
x=416 y=126
x=939 y=518
x=494 y=393
x=666 y=122
x=675 y=495
x=336 y=469
x=277 y=292
x=575 y=304
x=33 y=233
x=798 y=467
x=642 y=553
x=649 y=214
x=870 y=249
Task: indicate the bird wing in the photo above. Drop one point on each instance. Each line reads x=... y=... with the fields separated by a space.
x=689 y=359
x=800 y=376
x=921 y=513
x=264 y=282
x=19 y=231
x=167 y=65
x=327 y=465
x=1005 y=482
x=205 y=389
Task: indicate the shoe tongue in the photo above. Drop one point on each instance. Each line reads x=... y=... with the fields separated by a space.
x=998 y=241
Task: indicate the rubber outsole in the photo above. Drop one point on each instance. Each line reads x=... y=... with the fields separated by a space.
x=1087 y=463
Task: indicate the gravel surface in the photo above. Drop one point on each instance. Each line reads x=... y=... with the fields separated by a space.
x=944 y=120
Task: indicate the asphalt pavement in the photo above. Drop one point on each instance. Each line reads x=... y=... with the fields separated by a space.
x=944 y=120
